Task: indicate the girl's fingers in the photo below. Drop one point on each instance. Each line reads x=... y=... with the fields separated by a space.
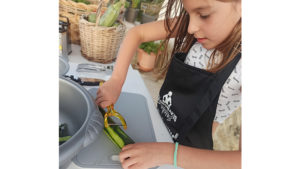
x=99 y=99
x=99 y=89
x=127 y=147
x=123 y=156
x=102 y=103
x=135 y=166
x=126 y=154
x=105 y=104
x=129 y=162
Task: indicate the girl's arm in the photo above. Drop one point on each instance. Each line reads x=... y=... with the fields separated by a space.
x=147 y=155
x=135 y=36
x=109 y=92
x=196 y=158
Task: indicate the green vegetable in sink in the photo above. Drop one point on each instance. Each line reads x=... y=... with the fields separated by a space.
x=115 y=133
x=65 y=138
x=63 y=133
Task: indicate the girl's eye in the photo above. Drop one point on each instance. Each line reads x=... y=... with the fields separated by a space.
x=204 y=16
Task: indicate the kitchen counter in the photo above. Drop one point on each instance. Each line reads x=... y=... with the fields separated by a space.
x=133 y=84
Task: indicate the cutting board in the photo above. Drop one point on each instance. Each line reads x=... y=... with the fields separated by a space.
x=134 y=109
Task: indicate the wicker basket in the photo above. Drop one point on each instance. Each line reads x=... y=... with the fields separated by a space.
x=99 y=43
x=73 y=11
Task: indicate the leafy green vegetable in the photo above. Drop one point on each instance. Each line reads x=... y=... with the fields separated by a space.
x=135 y=3
x=127 y=4
x=82 y=1
x=111 y=14
x=92 y=17
x=150 y=47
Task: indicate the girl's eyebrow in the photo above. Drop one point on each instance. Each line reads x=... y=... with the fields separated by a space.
x=201 y=8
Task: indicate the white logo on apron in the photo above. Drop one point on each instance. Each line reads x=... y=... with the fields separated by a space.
x=167 y=99
x=166 y=104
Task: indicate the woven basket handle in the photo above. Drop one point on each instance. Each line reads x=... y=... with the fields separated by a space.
x=98 y=13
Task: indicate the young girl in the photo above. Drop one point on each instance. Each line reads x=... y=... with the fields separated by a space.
x=202 y=83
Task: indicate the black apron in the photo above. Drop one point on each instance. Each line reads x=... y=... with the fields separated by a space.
x=188 y=100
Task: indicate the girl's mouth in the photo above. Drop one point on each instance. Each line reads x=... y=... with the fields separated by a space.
x=201 y=40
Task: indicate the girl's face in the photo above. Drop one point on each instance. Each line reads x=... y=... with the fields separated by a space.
x=212 y=21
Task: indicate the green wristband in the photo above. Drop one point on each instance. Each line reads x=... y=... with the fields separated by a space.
x=175 y=154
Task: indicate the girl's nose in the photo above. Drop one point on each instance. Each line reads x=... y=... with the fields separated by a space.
x=193 y=26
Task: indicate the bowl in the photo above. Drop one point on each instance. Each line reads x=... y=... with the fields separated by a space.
x=82 y=117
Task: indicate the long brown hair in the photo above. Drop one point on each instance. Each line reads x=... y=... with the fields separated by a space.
x=184 y=41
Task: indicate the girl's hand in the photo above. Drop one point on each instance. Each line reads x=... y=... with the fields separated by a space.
x=109 y=92
x=146 y=155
